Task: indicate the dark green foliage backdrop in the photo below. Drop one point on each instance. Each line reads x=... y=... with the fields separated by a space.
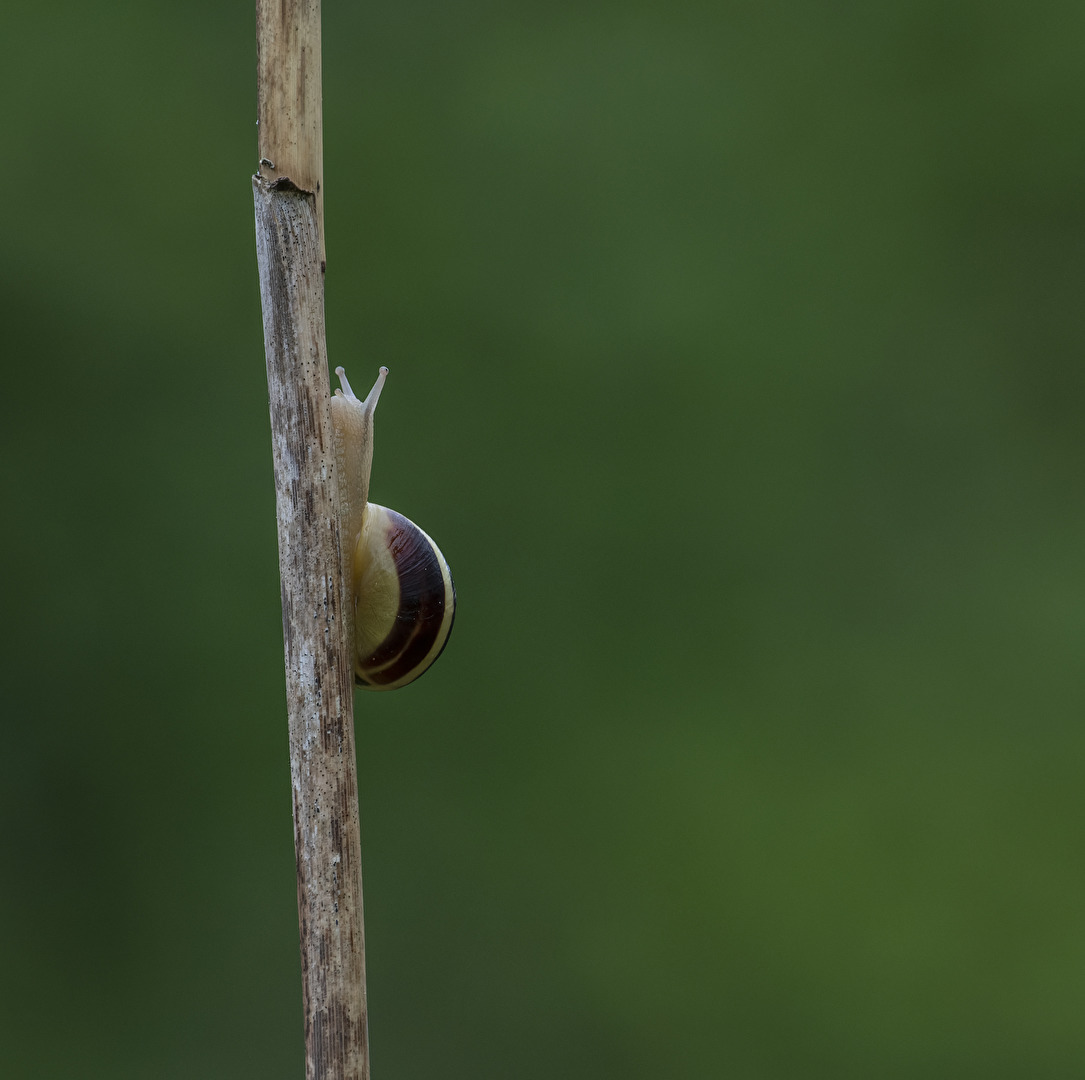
x=736 y=356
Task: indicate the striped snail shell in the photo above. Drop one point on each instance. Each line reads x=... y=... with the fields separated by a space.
x=404 y=599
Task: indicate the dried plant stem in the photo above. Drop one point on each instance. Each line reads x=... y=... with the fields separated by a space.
x=315 y=594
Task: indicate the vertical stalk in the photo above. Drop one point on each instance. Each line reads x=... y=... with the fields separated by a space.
x=315 y=592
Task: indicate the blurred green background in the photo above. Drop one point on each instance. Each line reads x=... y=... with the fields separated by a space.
x=736 y=357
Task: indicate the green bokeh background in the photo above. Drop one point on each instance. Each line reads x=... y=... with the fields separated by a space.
x=736 y=364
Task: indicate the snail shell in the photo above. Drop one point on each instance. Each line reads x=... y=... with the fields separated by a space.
x=404 y=597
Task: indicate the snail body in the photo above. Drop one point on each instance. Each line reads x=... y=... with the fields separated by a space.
x=404 y=600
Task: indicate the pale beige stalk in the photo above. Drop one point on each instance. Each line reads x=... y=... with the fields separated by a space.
x=317 y=601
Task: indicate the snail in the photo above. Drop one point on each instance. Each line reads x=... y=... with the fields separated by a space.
x=404 y=599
